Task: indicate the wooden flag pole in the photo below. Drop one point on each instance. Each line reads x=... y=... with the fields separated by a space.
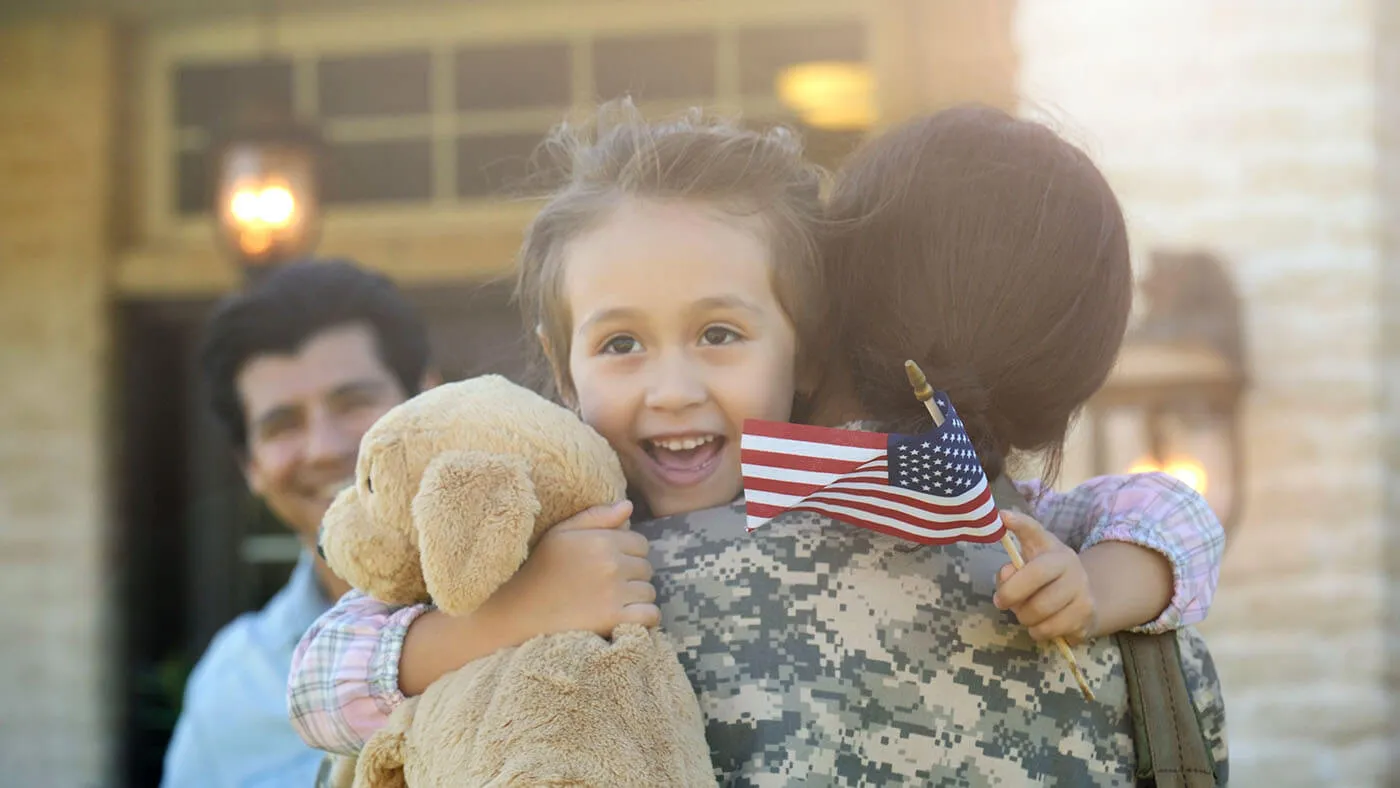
x=924 y=392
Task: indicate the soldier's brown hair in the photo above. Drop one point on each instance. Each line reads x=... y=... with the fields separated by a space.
x=993 y=253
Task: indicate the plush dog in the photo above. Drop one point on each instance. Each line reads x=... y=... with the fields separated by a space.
x=452 y=489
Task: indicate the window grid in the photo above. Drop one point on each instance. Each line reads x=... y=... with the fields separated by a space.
x=445 y=128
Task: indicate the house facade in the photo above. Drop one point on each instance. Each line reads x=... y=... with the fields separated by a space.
x=1266 y=134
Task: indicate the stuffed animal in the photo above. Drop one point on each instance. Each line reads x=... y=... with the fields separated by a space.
x=452 y=489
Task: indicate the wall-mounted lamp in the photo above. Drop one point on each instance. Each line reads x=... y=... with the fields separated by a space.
x=1172 y=403
x=267 y=194
x=830 y=94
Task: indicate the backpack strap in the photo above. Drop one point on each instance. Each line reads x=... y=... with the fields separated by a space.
x=1171 y=746
x=1167 y=735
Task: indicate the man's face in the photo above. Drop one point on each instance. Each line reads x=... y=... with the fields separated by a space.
x=306 y=412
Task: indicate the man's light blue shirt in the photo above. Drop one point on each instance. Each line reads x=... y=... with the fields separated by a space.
x=234 y=730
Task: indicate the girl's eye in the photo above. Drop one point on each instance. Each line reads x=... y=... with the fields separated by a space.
x=719 y=335
x=621 y=345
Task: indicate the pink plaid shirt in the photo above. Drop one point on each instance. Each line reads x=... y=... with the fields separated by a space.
x=345 y=672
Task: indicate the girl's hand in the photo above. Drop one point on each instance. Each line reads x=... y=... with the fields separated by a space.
x=589 y=572
x=1050 y=595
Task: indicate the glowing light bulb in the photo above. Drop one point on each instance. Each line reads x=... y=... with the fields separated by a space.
x=277 y=206
x=1144 y=465
x=1189 y=471
x=246 y=206
x=830 y=94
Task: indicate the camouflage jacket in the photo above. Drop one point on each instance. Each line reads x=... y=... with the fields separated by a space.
x=829 y=655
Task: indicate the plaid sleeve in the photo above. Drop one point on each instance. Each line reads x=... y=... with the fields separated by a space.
x=344 y=681
x=1154 y=510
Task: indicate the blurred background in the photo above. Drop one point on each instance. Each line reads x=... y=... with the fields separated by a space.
x=153 y=156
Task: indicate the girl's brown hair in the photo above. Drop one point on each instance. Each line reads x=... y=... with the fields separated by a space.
x=704 y=159
x=993 y=253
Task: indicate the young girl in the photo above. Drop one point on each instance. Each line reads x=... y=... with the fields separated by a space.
x=675 y=286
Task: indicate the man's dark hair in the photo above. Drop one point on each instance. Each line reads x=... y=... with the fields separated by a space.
x=292 y=304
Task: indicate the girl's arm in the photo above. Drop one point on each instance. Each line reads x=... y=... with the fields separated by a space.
x=1148 y=541
x=344 y=681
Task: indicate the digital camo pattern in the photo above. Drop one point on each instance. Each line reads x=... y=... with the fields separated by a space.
x=829 y=655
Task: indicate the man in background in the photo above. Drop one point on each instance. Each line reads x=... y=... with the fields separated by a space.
x=298 y=367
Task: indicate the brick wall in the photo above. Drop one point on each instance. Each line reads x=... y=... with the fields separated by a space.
x=1250 y=129
x=55 y=130
x=1388 y=139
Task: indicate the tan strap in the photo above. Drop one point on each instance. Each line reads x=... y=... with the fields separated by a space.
x=1171 y=747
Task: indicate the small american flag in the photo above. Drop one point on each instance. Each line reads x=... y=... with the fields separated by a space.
x=927 y=488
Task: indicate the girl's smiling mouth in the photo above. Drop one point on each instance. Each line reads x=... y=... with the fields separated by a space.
x=684 y=460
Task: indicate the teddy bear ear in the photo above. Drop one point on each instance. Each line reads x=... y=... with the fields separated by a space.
x=475 y=513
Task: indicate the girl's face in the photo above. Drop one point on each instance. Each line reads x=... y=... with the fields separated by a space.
x=677 y=337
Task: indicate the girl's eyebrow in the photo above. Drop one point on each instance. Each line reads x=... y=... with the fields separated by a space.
x=725 y=302
x=616 y=313
x=709 y=303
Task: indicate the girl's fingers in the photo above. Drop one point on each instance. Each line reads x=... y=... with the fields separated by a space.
x=638 y=591
x=1027 y=580
x=630 y=567
x=1047 y=602
x=1070 y=623
x=646 y=614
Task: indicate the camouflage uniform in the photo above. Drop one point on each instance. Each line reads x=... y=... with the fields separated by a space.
x=829 y=655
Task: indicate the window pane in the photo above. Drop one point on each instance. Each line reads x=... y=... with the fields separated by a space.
x=395 y=83
x=494 y=164
x=765 y=51
x=399 y=171
x=207 y=96
x=510 y=77
x=193 y=189
x=679 y=66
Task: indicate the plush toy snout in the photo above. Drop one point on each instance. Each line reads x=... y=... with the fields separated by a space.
x=382 y=562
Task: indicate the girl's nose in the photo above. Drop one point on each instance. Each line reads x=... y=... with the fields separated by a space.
x=676 y=384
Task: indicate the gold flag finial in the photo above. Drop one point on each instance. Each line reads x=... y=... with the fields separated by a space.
x=923 y=390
